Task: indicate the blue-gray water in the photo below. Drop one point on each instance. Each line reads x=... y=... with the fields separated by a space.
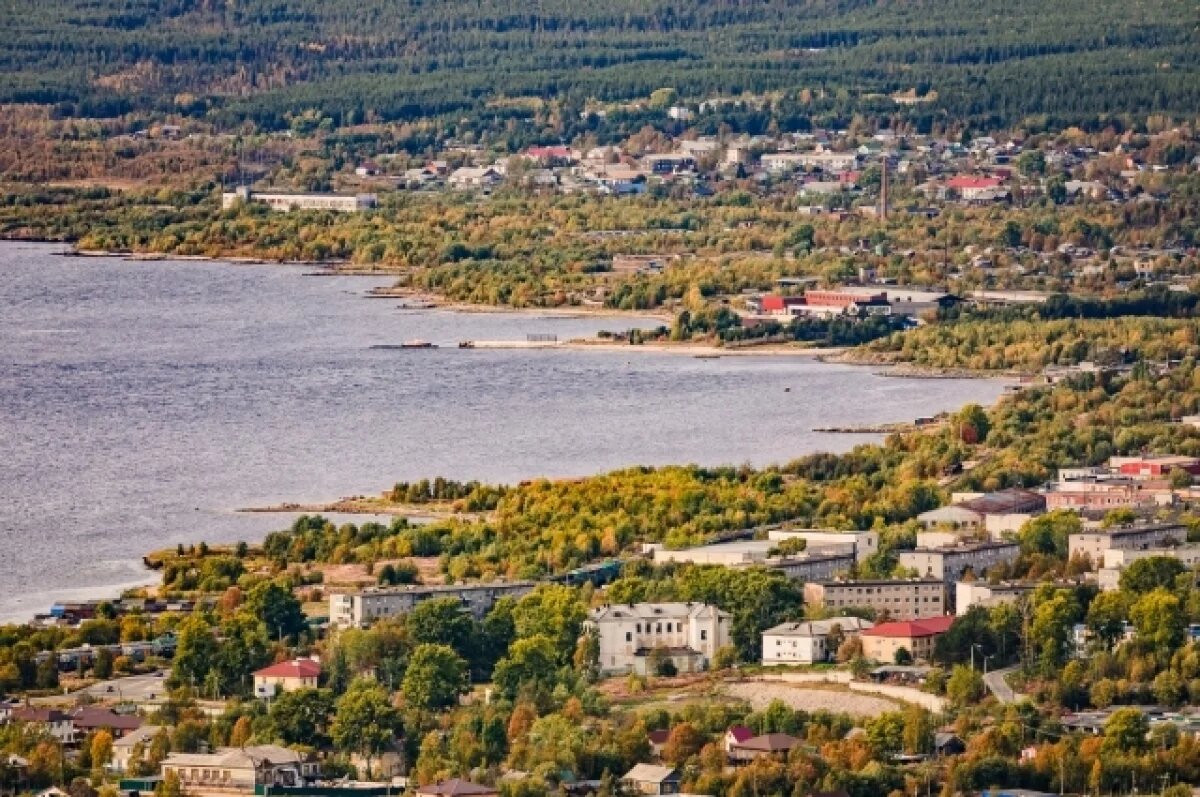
x=141 y=403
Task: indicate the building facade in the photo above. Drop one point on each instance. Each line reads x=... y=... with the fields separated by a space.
x=882 y=642
x=810 y=642
x=690 y=633
x=951 y=562
x=897 y=599
x=1094 y=544
x=360 y=608
x=342 y=203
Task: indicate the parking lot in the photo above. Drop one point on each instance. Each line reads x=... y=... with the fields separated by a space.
x=134 y=689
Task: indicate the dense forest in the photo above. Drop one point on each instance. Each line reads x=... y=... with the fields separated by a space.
x=490 y=65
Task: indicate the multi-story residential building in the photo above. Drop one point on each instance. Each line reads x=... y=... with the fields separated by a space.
x=1094 y=544
x=981 y=593
x=359 y=608
x=239 y=769
x=882 y=642
x=792 y=161
x=1102 y=493
x=1154 y=467
x=951 y=562
x=342 y=203
x=1116 y=560
x=689 y=633
x=809 y=642
x=863 y=544
x=823 y=561
x=994 y=513
x=897 y=599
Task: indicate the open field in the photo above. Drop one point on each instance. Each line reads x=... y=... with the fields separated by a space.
x=815 y=697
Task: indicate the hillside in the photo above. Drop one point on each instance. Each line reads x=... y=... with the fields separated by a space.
x=1074 y=61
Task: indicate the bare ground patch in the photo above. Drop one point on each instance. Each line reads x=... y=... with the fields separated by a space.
x=811 y=698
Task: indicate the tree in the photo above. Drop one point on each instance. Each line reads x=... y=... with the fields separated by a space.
x=529 y=661
x=101 y=749
x=683 y=742
x=302 y=716
x=1160 y=622
x=903 y=657
x=1147 y=575
x=195 y=649
x=1106 y=617
x=435 y=678
x=1050 y=533
x=1126 y=730
x=964 y=686
x=104 y=663
x=278 y=609
x=442 y=621
x=919 y=730
x=169 y=786
x=241 y=732
x=553 y=611
x=365 y=721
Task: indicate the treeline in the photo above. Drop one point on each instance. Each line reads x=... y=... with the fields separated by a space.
x=361 y=60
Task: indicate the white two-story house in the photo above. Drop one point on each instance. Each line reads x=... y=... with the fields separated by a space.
x=689 y=633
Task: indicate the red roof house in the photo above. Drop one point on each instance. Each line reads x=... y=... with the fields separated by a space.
x=287 y=676
x=882 y=642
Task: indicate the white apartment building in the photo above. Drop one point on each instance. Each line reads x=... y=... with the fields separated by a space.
x=360 y=608
x=951 y=562
x=792 y=161
x=1115 y=561
x=862 y=543
x=981 y=593
x=809 y=642
x=690 y=633
x=342 y=203
x=898 y=599
x=1094 y=544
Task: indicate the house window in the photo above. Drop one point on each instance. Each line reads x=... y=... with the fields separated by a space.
x=628 y=636
x=703 y=635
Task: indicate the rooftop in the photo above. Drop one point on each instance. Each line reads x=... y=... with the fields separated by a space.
x=911 y=629
x=297 y=668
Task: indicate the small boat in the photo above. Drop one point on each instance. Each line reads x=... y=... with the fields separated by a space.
x=408 y=344
x=707 y=356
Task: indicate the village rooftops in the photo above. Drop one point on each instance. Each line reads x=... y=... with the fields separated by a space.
x=456 y=787
x=912 y=629
x=819 y=627
x=966 y=547
x=297 y=668
x=650 y=773
x=423 y=589
x=655 y=611
x=236 y=757
x=876 y=582
x=769 y=743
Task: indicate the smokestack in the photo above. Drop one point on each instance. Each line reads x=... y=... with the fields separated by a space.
x=883 y=191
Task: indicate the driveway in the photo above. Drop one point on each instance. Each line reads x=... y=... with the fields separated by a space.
x=998 y=686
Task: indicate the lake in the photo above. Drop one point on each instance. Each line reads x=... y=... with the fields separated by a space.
x=142 y=403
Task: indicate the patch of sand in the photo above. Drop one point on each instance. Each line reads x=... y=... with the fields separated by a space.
x=810 y=698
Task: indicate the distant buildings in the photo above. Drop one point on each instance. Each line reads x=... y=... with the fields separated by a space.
x=995 y=513
x=915 y=636
x=808 y=642
x=981 y=593
x=951 y=562
x=823 y=562
x=287 y=676
x=900 y=599
x=652 y=780
x=342 y=203
x=688 y=633
x=1115 y=560
x=239 y=769
x=1094 y=544
x=359 y=608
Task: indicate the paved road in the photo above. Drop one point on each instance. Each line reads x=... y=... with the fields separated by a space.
x=139 y=689
x=996 y=684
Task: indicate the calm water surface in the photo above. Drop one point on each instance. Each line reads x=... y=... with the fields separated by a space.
x=142 y=403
